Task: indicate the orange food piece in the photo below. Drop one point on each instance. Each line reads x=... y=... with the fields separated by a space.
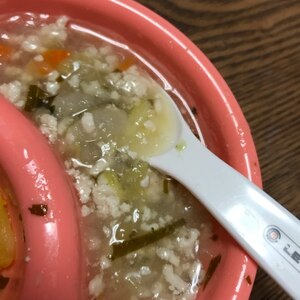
x=55 y=56
x=7 y=237
x=126 y=63
x=5 y=52
x=51 y=59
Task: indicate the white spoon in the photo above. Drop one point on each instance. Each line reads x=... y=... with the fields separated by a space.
x=265 y=229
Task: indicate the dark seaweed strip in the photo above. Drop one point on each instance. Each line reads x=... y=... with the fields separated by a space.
x=38 y=209
x=211 y=269
x=36 y=98
x=3 y=282
x=142 y=241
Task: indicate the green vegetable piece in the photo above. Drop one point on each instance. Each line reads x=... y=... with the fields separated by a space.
x=36 y=98
x=166 y=183
x=180 y=146
x=131 y=179
x=136 y=132
x=211 y=269
x=122 y=249
x=113 y=180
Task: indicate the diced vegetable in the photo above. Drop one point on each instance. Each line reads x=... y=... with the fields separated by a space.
x=5 y=52
x=166 y=185
x=113 y=180
x=180 y=146
x=7 y=238
x=126 y=63
x=131 y=180
x=136 y=133
x=126 y=176
x=36 y=98
x=109 y=124
x=89 y=152
x=211 y=270
x=142 y=241
x=50 y=61
x=110 y=120
x=71 y=103
x=54 y=57
x=128 y=185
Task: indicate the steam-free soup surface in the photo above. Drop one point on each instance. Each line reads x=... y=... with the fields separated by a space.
x=99 y=107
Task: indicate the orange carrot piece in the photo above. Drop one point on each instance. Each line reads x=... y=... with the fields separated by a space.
x=5 y=52
x=126 y=63
x=55 y=56
x=51 y=59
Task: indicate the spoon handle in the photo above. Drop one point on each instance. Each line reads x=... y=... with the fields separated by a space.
x=265 y=229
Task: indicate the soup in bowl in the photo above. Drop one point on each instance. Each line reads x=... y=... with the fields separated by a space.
x=86 y=82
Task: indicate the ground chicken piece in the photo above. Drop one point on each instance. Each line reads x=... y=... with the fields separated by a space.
x=48 y=127
x=96 y=285
x=12 y=91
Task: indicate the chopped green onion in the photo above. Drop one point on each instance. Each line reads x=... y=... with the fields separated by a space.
x=166 y=185
x=180 y=146
x=211 y=269
x=122 y=249
x=36 y=98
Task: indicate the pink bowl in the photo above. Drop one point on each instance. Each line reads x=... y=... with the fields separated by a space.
x=221 y=121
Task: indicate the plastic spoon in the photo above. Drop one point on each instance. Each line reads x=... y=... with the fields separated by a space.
x=265 y=229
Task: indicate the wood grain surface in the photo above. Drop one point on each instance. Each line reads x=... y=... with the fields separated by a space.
x=255 y=44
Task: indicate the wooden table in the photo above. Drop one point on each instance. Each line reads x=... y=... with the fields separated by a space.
x=255 y=44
